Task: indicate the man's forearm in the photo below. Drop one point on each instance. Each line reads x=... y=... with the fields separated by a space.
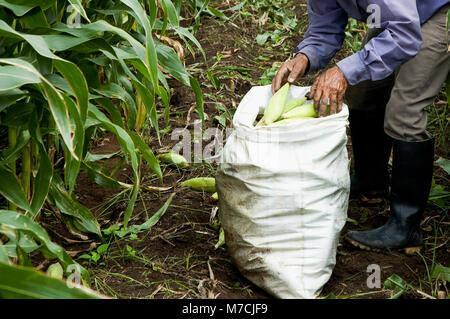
x=325 y=34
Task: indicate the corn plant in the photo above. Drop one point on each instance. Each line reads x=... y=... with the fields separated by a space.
x=70 y=69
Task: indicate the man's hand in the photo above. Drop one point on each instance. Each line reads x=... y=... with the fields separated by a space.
x=290 y=71
x=329 y=88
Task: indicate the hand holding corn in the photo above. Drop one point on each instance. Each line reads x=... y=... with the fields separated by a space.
x=329 y=90
x=290 y=71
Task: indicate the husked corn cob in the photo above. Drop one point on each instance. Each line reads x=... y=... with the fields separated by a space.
x=204 y=184
x=292 y=104
x=174 y=159
x=301 y=111
x=276 y=105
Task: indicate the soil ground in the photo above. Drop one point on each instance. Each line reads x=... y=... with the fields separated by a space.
x=177 y=257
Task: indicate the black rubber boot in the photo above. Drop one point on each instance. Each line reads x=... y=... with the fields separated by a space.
x=371 y=152
x=411 y=181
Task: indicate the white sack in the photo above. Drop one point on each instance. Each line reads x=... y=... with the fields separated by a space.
x=283 y=197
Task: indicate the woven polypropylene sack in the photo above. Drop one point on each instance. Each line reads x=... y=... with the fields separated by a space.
x=283 y=197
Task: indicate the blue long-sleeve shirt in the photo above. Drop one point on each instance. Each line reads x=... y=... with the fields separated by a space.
x=399 y=41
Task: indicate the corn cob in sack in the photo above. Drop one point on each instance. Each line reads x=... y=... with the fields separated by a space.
x=283 y=196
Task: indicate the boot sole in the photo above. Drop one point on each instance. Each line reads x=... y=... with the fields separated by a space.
x=406 y=250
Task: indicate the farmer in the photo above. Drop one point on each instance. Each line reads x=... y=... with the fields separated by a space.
x=387 y=85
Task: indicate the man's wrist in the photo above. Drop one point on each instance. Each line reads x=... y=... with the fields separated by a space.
x=303 y=56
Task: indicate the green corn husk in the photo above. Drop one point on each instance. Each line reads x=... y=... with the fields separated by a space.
x=290 y=121
x=276 y=105
x=215 y=196
x=292 y=104
x=173 y=159
x=204 y=184
x=301 y=112
x=261 y=122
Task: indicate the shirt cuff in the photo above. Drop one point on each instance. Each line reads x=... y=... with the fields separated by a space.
x=310 y=52
x=354 y=69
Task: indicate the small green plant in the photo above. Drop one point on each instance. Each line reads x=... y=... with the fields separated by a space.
x=354 y=34
x=397 y=285
x=439 y=195
x=95 y=255
x=130 y=251
x=269 y=74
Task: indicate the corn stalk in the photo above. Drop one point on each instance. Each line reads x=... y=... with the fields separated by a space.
x=69 y=69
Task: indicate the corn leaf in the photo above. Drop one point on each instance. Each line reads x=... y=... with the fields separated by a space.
x=10 y=97
x=18 y=9
x=56 y=101
x=440 y=272
x=83 y=219
x=11 y=189
x=45 y=170
x=19 y=222
x=28 y=283
x=14 y=77
x=171 y=12
x=76 y=4
x=147 y=154
x=3 y=254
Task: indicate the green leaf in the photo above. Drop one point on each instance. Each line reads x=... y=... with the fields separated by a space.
x=444 y=164
x=198 y=97
x=221 y=240
x=100 y=176
x=83 y=218
x=124 y=138
x=35 y=19
x=55 y=271
x=10 y=97
x=45 y=170
x=73 y=163
x=11 y=155
x=397 y=285
x=130 y=206
x=28 y=283
x=147 y=154
x=15 y=77
x=11 y=189
x=184 y=33
x=102 y=248
x=18 y=9
x=19 y=222
x=76 y=4
x=98 y=157
x=170 y=61
x=3 y=254
x=75 y=77
x=55 y=100
x=115 y=91
x=440 y=272
x=171 y=12
x=261 y=39
x=151 y=221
